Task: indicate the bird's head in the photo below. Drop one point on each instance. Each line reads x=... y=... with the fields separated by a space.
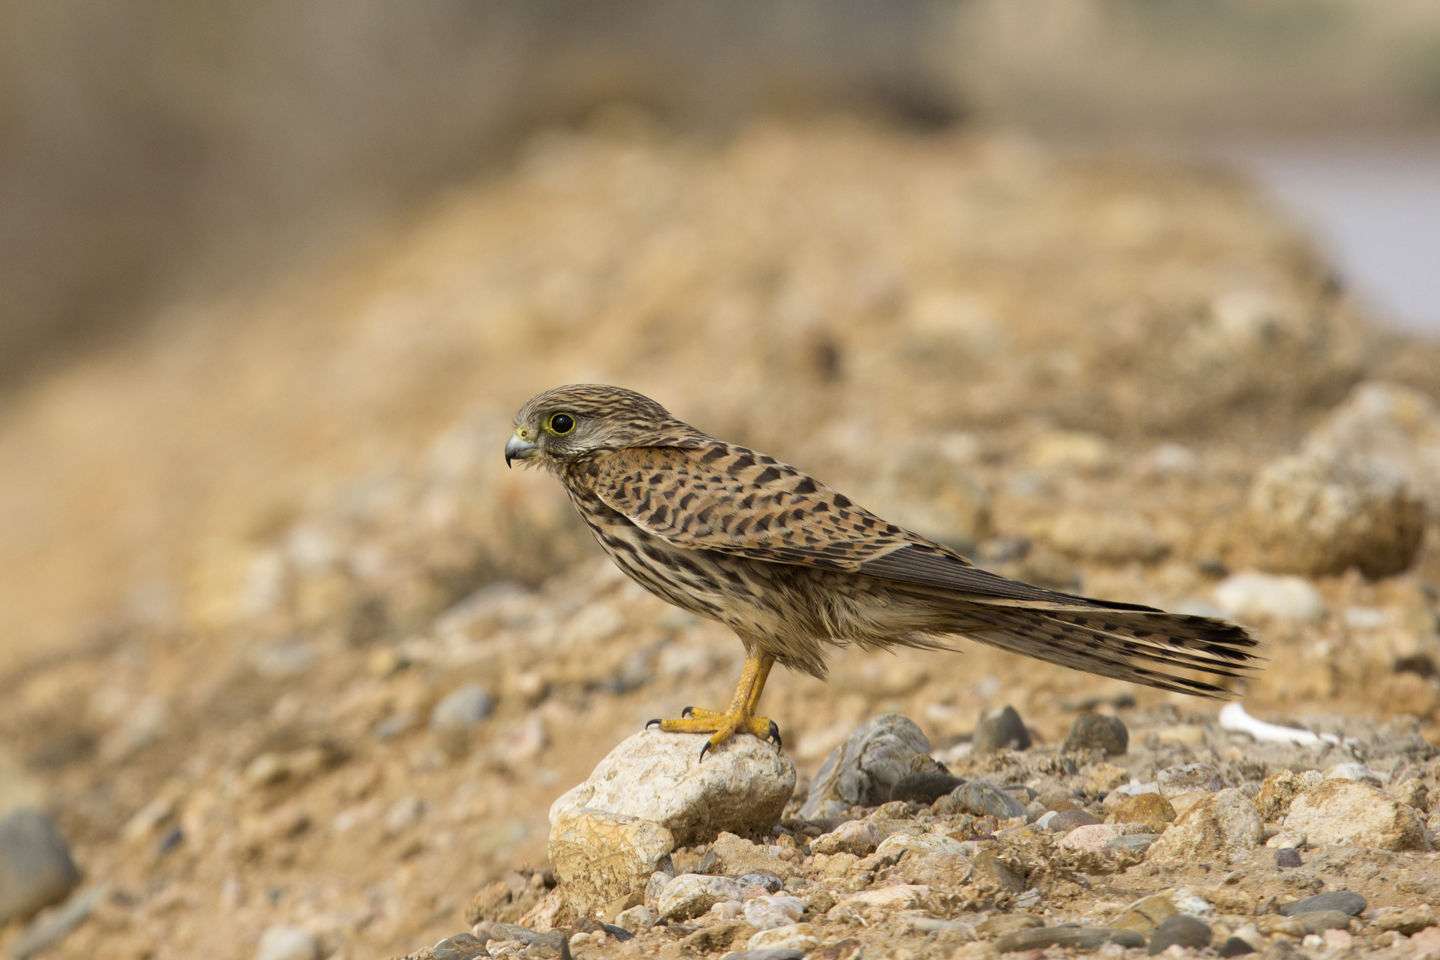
x=573 y=423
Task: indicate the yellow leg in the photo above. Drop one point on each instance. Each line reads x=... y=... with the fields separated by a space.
x=740 y=716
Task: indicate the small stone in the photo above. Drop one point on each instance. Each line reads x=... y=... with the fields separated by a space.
x=1287 y=857
x=1258 y=596
x=1151 y=809
x=1349 y=903
x=1135 y=844
x=1354 y=771
x=735 y=856
x=766 y=913
x=1147 y=914
x=1408 y=921
x=925 y=787
x=1067 y=820
x=1323 y=513
x=1349 y=813
x=741 y=788
x=1234 y=947
x=35 y=865
x=1286 y=838
x=1278 y=790
x=1094 y=837
x=881 y=901
x=1187 y=778
x=464 y=946
x=1078 y=938
x=637 y=919
x=1102 y=778
x=600 y=857
x=457 y=715
x=983 y=799
x=864 y=770
x=692 y=894
x=288 y=943
x=919 y=844
x=1318 y=921
x=1337 y=941
x=859 y=837
x=1182 y=930
x=1000 y=729
x=794 y=936
x=1096 y=730
x=1221 y=825
x=767 y=882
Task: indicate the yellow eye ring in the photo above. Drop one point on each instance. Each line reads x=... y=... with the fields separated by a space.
x=560 y=424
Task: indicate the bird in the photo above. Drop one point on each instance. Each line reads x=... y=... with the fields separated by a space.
x=796 y=568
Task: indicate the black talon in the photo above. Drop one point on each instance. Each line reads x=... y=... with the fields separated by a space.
x=775 y=735
x=650 y=723
x=703 y=751
x=687 y=711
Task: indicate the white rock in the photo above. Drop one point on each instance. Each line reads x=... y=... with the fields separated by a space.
x=1355 y=771
x=860 y=837
x=1354 y=814
x=692 y=894
x=918 y=844
x=1318 y=514
x=600 y=857
x=1391 y=425
x=729 y=909
x=1249 y=596
x=741 y=788
x=637 y=919
x=288 y=943
x=766 y=913
x=883 y=900
x=794 y=936
x=1287 y=839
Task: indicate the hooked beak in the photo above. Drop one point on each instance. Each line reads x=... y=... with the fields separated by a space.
x=518 y=448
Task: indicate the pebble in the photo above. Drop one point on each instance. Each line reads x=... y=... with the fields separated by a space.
x=741 y=788
x=1151 y=809
x=792 y=936
x=1135 y=843
x=1146 y=914
x=1000 y=729
x=765 y=913
x=983 y=799
x=464 y=946
x=1096 y=730
x=1252 y=596
x=866 y=767
x=1220 y=825
x=1079 y=938
x=1067 y=820
x=288 y=943
x=920 y=844
x=36 y=869
x=1345 y=901
x=1093 y=837
x=768 y=882
x=692 y=894
x=457 y=715
x=1188 y=777
x=1349 y=813
x=1318 y=921
x=1288 y=857
x=735 y=856
x=1234 y=947
x=1182 y=930
x=1354 y=771
x=1323 y=513
x=636 y=919
x=925 y=787
x=859 y=837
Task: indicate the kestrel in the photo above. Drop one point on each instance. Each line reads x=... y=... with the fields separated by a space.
x=792 y=566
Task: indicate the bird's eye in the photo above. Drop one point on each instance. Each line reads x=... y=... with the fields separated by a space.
x=561 y=424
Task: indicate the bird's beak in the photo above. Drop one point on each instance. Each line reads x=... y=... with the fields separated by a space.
x=518 y=448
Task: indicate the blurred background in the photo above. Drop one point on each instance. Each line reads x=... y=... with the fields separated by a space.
x=277 y=274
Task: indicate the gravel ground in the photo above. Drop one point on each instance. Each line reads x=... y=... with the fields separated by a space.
x=329 y=706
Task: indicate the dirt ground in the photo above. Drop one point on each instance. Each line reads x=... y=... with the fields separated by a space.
x=249 y=550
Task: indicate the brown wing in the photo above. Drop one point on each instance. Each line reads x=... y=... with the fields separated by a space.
x=729 y=499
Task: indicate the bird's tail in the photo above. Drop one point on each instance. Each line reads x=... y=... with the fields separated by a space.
x=1151 y=647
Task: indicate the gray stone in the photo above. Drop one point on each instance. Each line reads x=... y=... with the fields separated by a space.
x=983 y=799
x=1000 y=729
x=35 y=865
x=925 y=787
x=864 y=770
x=1182 y=929
x=1187 y=778
x=600 y=857
x=1346 y=901
x=1323 y=513
x=741 y=788
x=50 y=928
x=1318 y=921
x=770 y=883
x=456 y=715
x=1354 y=814
x=692 y=894
x=1234 y=947
x=1287 y=857
x=464 y=946
x=1092 y=730
x=1135 y=843
x=1067 y=820
x=1079 y=938
x=288 y=943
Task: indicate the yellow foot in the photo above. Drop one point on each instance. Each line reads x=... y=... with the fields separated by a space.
x=723 y=726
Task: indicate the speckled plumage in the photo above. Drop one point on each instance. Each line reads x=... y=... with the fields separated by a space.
x=793 y=566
